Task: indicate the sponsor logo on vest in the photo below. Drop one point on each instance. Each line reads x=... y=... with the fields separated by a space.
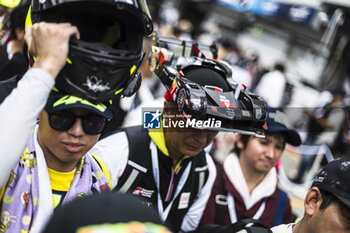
x=184 y=200
x=143 y=192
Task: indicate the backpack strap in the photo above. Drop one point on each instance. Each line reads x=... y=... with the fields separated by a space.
x=281 y=206
x=258 y=230
x=138 y=162
x=201 y=170
x=220 y=198
x=241 y=224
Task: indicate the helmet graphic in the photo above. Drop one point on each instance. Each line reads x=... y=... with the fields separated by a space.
x=104 y=61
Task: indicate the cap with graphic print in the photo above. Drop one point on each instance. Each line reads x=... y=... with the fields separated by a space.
x=105 y=212
x=58 y=101
x=277 y=121
x=334 y=178
x=204 y=77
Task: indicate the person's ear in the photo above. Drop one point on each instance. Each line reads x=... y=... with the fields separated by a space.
x=166 y=107
x=239 y=142
x=312 y=201
x=40 y=115
x=167 y=111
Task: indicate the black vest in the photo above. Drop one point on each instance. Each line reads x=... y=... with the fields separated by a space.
x=138 y=177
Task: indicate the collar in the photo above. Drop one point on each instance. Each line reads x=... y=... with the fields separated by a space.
x=158 y=138
x=235 y=175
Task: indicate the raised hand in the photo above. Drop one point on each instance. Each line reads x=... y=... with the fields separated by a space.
x=48 y=43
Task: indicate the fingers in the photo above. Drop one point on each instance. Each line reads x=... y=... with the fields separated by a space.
x=49 y=43
x=73 y=31
x=28 y=36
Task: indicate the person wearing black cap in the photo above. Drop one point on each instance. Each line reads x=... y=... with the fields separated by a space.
x=105 y=212
x=168 y=168
x=247 y=186
x=327 y=203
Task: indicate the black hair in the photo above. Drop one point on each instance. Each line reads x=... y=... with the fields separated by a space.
x=245 y=139
x=18 y=18
x=328 y=199
x=280 y=67
x=228 y=43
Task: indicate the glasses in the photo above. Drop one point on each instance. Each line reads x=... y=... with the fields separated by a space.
x=63 y=120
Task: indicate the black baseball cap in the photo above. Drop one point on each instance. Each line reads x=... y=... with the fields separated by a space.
x=277 y=121
x=334 y=178
x=105 y=212
x=59 y=101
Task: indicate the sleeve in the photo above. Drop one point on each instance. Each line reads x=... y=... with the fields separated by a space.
x=113 y=151
x=18 y=114
x=194 y=214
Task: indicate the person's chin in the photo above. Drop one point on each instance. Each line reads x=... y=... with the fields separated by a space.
x=192 y=150
x=264 y=168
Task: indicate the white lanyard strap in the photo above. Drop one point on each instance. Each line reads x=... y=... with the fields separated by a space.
x=155 y=166
x=232 y=209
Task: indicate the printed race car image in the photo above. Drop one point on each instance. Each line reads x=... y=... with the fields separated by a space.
x=239 y=110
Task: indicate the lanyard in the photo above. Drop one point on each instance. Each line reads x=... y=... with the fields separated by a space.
x=232 y=209
x=155 y=166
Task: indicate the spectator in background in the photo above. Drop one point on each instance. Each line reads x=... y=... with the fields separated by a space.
x=6 y=6
x=246 y=184
x=327 y=203
x=271 y=86
x=323 y=128
x=228 y=50
x=12 y=59
x=183 y=30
